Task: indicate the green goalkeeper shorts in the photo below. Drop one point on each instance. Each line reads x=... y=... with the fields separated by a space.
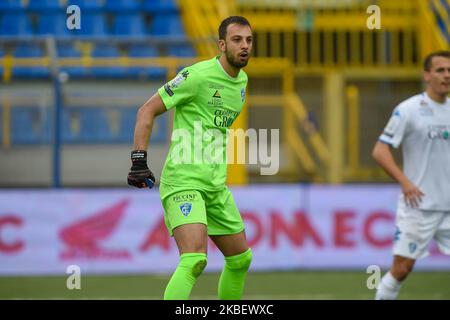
x=217 y=209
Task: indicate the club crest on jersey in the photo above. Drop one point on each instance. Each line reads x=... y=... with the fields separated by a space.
x=186 y=208
x=412 y=247
x=242 y=94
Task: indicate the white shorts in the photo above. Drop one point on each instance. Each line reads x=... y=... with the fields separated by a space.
x=416 y=228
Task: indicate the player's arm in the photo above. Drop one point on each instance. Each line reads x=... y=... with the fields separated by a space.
x=383 y=156
x=144 y=121
x=140 y=175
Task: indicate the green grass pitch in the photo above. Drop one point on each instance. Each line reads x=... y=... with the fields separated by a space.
x=298 y=285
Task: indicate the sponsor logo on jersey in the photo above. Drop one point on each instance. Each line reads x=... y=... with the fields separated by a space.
x=185 y=197
x=186 y=208
x=216 y=86
x=175 y=82
x=224 y=118
x=179 y=79
x=168 y=90
x=439 y=132
x=242 y=94
x=216 y=100
x=185 y=74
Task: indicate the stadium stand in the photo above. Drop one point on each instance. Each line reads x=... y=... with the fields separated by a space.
x=88 y=5
x=8 y=5
x=109 y=30
x=120 y=39
x=30 y=125
x=15 y=25
x=29 y=50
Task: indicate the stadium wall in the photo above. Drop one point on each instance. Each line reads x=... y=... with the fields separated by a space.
x=84 y=165
x=122 y=230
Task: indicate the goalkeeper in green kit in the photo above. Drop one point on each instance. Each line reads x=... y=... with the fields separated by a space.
x=207 y=97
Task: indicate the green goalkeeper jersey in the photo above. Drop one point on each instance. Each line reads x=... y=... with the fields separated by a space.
x=207 y=100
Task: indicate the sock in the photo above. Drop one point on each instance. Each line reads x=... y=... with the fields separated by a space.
x=191 y=265
x=389 y=288
x=231 y=282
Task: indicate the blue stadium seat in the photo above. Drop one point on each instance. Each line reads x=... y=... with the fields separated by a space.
x=128 y=120
x=167 y=25
x=145 y=51
x=8 y=5
x=159 y=131
x=126 y=124
x=53 y=23
x=129 y=24
x=91 y=122
x=68 y=50
x=122 y=5
x=70 y=133
x=92 y=24
x=29 y=50
x=88 y=5
x=15 y=24
x=45 y=5
x=107 y=51
x=29 y=125
x=184 y=51
x=160 y=6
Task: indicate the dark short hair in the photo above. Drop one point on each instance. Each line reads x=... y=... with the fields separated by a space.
x=429 y=58
x=230 y=20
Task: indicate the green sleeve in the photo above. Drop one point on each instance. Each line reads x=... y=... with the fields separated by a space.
x=181 y=89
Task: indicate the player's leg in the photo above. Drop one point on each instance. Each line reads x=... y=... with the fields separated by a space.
x=192 y=242
x=185 y=218
x=238 y=257
x=226 y=229
x=391 y=282
x=401 y=267
x=415 y=229
x=442 y=235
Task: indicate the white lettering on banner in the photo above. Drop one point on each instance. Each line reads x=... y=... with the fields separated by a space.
x=123 y=231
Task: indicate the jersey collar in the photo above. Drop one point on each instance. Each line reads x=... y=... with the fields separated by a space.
x=432 y=102
x=226 y=73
